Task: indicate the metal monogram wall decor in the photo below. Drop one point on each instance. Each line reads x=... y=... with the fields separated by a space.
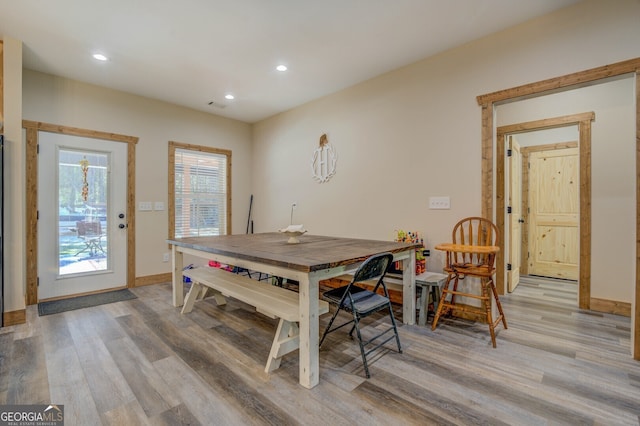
x=323 y=161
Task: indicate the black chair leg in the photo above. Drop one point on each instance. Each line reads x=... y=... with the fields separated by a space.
x=356 y=325
x=328 y=329
x=395 y=328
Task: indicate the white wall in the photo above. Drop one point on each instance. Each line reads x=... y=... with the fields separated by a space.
x=416 y=132
x=14 y=265
x=548 y=136
x=66 y=102
x=613 y=180
x=71 y=103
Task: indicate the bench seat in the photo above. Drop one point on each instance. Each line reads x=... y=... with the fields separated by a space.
x=269 y=300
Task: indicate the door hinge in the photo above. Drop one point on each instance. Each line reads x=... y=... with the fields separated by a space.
x=509 y=210
x=37 y=214
x=508 y=266
x=38 y=149
x=509 y=153
x=38 y=282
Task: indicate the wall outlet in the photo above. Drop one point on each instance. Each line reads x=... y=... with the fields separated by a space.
x=439 y=203
x=165 y=257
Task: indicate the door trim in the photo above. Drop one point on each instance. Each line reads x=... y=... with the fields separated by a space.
x=487 y=102
x=583 y=121
x=31 y=168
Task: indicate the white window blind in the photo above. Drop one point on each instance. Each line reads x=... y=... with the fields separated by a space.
x=200 y=193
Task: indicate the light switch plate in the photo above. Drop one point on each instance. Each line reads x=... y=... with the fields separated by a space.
x=439 y=203
x=158 y=206
x=145 y=206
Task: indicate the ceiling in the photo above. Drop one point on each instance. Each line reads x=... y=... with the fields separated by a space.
x=194 y=52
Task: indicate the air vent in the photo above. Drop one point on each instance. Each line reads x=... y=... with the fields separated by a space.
x=216 y=104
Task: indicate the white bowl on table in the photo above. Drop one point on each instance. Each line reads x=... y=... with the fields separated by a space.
x=293 y=232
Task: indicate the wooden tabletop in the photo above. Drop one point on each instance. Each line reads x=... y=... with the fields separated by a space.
x=312 y=253
x=462 y=248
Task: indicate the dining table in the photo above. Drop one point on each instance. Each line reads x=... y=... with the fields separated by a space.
x=312 y=259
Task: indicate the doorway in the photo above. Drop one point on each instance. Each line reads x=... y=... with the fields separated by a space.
x=583 y=123
x=82 y=244
x=562 y=83
x=92 y=143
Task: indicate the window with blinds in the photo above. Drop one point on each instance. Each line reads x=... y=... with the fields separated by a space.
x=201 y=182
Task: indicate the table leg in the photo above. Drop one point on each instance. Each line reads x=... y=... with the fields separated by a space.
x=176 y=276
x=409 y=289
x=309 y=331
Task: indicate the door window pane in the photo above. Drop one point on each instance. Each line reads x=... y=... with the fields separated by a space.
x=82 y=211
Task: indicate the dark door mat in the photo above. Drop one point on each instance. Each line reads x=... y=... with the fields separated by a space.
x=57 y=306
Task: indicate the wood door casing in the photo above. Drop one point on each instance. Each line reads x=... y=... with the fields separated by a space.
x=32 y=129
x=489 y=101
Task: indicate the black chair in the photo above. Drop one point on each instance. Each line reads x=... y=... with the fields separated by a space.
x=91 y=234
x=362 y=303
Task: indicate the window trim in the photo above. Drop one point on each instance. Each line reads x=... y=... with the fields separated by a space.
x=171 y=186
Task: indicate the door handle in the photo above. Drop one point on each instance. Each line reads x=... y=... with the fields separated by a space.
x=520 y=220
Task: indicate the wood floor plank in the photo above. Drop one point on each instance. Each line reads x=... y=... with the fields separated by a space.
x=176 y=416
x=148 y=343
x=68 y=386
x=127 y=414
x=151 y=392
x=397 y=407
x=28 y=379
x=202 y=401
x=206 y=362
x=142 y=362
x=67 y=381
x=6 y=351
x=106 y=382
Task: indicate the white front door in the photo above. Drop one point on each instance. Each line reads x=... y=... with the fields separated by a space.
x=82 y=233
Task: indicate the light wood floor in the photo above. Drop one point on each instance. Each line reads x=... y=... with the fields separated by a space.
x=141 y=362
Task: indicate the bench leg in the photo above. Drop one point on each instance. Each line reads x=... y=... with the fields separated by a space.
x=287 y=339
x=424 y=304
x=203 y=293
x=193 y=294
x=220 y=299
x=199 y=292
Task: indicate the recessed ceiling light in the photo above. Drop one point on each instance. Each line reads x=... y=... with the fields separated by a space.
x=229 y=96
x=100 y=57
x=281 y=67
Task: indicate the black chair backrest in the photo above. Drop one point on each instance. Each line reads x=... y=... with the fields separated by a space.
x=88 y=228
x=374 y=267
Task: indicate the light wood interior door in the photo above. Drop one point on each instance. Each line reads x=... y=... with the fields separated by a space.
x=515 y=217
x=554 y=213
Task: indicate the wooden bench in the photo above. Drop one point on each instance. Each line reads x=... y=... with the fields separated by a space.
x=269 y=300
